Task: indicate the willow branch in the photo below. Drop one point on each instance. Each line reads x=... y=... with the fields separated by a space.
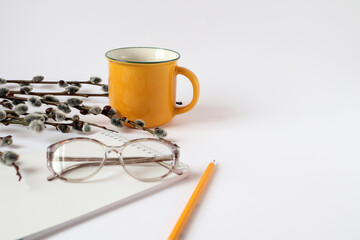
x=52 y=82
x=91 y=124
x=69 y=124
x=81 y=107
x=64 y=93
x=14 y=121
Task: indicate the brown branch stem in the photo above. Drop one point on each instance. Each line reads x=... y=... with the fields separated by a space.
x=64 y=93
x=7 y=122
x=55 y=124
x=91 y=124
x=17 y=170
x=99 y=126
x=52 y=82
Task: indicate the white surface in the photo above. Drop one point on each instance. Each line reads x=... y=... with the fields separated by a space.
x=278 y=109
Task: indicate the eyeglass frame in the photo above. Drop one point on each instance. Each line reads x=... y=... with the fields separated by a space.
x=107 y=150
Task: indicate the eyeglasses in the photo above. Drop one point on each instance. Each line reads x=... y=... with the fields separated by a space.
x=146 y=159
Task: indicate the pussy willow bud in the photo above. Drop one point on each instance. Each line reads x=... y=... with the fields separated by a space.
x=64 y=107
x=116 y=122
x=6 y=140
x=34 y=101
x=50 y=98
x=33 y=116
x=160 y=133
x=73 y=102
x=38 y=78
x=21 y=108
x=140 y=122
x=62 y=83
x=26 y=89
x=58 y=115
x=95 y=80
x=3 y=81
x=36 y=126
x=9 y=157
x=4 y=91
x=86 y=128
x=95 y=110
x=71 y=89
x=2 y=115
x=105 y=88
x=63 y=128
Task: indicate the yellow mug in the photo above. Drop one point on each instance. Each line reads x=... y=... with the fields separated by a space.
x=142 y=84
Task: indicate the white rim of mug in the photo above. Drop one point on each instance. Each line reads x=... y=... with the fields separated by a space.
x=139 y=62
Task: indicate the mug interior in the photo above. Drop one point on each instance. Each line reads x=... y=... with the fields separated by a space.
x=142 y=55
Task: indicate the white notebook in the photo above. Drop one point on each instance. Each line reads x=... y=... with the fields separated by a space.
x=34 y=207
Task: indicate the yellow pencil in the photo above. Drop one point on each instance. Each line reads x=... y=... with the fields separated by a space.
x=192 y=202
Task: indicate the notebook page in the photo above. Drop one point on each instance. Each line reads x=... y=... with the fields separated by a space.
x=34 y=207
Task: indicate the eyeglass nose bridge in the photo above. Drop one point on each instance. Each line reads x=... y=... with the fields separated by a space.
x=108 y=151
x=117 y=151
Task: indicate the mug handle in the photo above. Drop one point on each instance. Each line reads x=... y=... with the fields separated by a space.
x=196 y=89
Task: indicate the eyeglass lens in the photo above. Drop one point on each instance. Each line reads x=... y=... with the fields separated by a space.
x=148 y=159
x=78 y=159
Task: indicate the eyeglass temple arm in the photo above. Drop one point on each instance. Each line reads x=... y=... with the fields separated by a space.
x=115 y=161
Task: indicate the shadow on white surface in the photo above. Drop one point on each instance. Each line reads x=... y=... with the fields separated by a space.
x=206 y=113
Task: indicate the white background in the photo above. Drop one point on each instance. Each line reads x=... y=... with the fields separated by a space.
x=278 y=110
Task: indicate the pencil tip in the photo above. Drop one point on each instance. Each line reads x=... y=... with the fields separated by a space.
x=213 y=162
